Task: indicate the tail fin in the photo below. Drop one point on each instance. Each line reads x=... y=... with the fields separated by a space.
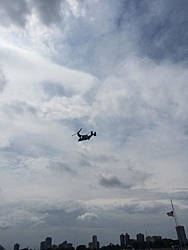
x=94 y=133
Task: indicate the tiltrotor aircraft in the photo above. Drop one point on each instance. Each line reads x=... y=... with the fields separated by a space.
x=86 y=136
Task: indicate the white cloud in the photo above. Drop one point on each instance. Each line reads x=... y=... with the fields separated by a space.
x=88 y=217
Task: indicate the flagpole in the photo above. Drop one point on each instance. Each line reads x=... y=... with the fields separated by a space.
x=177 y=224
x=174 y=213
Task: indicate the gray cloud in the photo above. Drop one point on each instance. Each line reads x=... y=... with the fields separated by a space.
x=62 y=166
x=157 y=28
x=3 y=81
x=147 y=208
x=50 y=12
x=111 y=181
x=54 y=89
x=5 y=225
x=14 y=12
x=20 y=108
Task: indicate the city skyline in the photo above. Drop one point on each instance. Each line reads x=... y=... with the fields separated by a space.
x=124 y=240
x=114 y=67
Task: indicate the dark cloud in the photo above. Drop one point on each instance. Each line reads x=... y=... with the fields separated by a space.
x=155 y=30
x=3 y=81
x=112 y=181
x=103 y=158
x=134 y=177
x=161 y=30
x=179 y=195
x=14 y=12
x=56 y=89
x=145 y=208
x=5 y=225
x=49 y=12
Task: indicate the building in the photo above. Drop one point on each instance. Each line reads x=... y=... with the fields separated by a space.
x=140 y=237
x=94 y=244
x=181 y=234
x=153 y=238
x=90 y=245
x=43 y=245
x=16 y=246
x=48 y=241
x=127 y=239
x=122 y=240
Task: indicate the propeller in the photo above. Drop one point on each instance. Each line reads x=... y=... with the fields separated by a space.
x=77 y=132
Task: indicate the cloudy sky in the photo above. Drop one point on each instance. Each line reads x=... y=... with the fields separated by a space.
x=115 y=67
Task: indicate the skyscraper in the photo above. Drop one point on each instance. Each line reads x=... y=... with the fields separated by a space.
x=48 y=241
x=127 y=239
x=16 y=246
x=94 y=244
x=122 y=240
x=43 y=245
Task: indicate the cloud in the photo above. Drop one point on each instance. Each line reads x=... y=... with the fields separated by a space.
x=62 y=166
x=132 y=177
x=54 y=89
x=49 y=12
x=110 y=180
x=40 y=224
x=14 y=12
x=88 y=217
x=143 y=208
x=115 y=67
x=21 y=108
x=3 y=81
x=4 y=225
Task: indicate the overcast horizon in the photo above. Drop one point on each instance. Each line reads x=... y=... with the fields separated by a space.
x=115 y=67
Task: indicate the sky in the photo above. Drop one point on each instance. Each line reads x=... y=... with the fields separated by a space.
x=115 y=67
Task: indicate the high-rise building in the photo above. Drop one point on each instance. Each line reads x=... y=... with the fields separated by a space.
x=181 y=234
x=48 y=241
x=122 y=240
x=140 y=237
x=94 y=244
x=127 y=239
x=16 y=246
x=43 y=245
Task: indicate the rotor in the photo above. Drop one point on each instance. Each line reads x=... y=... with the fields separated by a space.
x=77 y=132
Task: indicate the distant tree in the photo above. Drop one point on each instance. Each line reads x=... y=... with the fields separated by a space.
x=81 y=247
x=167 y=243
x=111 y=247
